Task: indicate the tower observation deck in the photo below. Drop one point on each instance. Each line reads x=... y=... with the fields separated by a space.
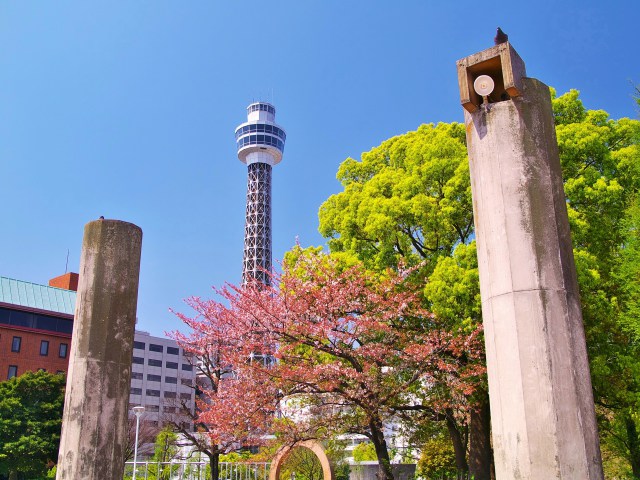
x=260 y=143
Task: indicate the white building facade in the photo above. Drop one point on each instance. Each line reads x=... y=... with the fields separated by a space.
x=162 y=380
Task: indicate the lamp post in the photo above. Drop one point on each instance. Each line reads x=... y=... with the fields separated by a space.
x=138 y=410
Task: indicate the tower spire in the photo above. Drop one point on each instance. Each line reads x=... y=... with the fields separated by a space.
x=260 y=143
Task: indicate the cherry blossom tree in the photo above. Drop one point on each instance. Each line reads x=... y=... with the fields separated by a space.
x=352 y=350
x=234 y=406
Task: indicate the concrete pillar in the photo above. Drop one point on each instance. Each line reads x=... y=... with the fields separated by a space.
x=94 y=425
x=542 y=412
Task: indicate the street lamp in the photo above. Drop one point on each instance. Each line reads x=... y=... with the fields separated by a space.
x=138 y=410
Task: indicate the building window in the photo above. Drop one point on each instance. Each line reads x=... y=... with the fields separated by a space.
x=135 y=391
x=153 y=408
x=62 y=352
x=139 y=345
x=185 y=396
x=155 y=348
x=13 y=371
x=16 y=343
x=186 y=367
x=153 y=393
x=169 y=409
x=154 y=363
x=170 y=380
x=173 y=365
x=34 y=320
x=186 y=381
x=138 y=360
x=169 y=394
x=44 y=348
x=153 y=378
x=136 y=376
x=173 y=350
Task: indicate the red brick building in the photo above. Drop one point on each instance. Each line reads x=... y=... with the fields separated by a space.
x=36 y=322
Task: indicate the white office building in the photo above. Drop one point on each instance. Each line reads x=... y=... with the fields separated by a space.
x=162 y=380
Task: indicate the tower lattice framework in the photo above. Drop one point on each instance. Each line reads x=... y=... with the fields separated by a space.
x=257 y=229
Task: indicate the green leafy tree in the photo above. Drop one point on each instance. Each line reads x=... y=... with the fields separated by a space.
x=409 y=201
x=629 y=269
x=30 y=422
x=166 y=446
x=364 y=452
x=437 y=458
x=601 y=166
x=164 y=450
x=301 y=464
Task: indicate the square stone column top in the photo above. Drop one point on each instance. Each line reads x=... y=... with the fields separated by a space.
x=502 y=63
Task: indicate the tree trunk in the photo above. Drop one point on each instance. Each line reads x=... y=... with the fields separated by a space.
x=634 y=445
x=480 y=455
x=214 y=465
x=380 y=444
x=459 y=447
x=13 y=475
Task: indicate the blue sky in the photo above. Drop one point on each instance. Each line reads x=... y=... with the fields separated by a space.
x=128 y=110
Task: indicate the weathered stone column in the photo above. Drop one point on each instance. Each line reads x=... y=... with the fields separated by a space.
x=94 y=425
x=542 y=412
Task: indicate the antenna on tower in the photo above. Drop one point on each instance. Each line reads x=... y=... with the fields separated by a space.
x=66 y=265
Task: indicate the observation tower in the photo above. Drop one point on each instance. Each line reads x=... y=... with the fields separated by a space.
x=260 y=144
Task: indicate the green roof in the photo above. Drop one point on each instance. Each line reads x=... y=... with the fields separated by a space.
x=32 y=295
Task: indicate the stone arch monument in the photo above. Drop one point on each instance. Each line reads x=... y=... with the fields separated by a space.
x=313 y=445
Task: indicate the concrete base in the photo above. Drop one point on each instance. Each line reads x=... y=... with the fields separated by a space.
x=542 y=412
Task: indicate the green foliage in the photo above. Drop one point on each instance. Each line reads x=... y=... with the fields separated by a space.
x=600 y=159
x=30 y=421
x=437 y=458
x=301 y=464
x=364 y=452
x=335 y=450
x=627 y=275
x=305 y=465
x=568 y=109
x=165 y=448
x=453 y=290
x=408 y=199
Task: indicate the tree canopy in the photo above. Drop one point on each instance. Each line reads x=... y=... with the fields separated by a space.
x=600 y=159
x=234 y=407
x=30 y=422
x=352 y=348
x=409 y=199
